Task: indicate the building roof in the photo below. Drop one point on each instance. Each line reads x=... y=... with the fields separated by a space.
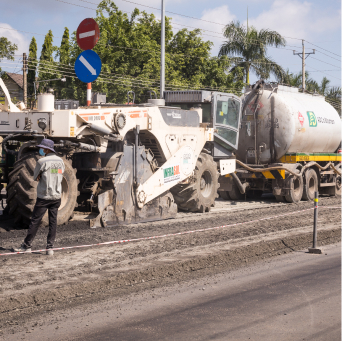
x=17 y=78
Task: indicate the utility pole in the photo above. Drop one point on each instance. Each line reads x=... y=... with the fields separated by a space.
x=25 y=77
x=303 y=56
x=162 y=55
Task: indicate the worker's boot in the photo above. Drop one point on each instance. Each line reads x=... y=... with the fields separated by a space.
x=49 y=252
x=22 y=248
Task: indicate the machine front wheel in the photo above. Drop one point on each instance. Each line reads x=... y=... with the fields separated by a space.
x=200 y=194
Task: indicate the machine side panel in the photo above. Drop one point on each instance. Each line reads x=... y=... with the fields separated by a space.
x=176 y=117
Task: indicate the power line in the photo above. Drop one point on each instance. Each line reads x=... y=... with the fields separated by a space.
x=323 y=49
x=329 y=56
x=326 y=74
x=325 y=62
x=133 y=80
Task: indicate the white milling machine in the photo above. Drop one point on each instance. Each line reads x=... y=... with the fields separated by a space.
x=130 y=163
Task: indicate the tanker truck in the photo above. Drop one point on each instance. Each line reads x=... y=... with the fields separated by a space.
x=287 y=145
x=124 y=163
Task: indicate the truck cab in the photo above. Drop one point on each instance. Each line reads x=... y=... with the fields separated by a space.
x=221 y=111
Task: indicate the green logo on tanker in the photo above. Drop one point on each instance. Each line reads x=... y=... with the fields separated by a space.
x=312 y=119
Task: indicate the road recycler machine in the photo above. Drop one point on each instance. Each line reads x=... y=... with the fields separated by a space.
x=138 y=163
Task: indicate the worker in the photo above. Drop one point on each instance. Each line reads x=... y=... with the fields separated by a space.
x=49 y=174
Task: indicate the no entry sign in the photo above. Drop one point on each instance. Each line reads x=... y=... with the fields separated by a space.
x=88 y=34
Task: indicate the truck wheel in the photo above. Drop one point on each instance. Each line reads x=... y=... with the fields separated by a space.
x=338 y=183
x=22 y=191
x=310 y=185
x=199 y=196
x=224 y=195
x=235 y=193
x=295 y=186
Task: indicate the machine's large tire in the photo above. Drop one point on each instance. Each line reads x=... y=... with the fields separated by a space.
x=294 y=190
x=200 y=194
x=22 y=191
x=310 y=185
x=224 y=195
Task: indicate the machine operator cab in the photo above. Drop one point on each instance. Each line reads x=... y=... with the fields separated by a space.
x=222 y=111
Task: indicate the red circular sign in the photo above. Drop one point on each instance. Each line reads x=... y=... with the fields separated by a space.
x=88 y=34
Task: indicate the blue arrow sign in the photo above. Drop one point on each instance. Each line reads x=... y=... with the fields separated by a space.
x=88 y=66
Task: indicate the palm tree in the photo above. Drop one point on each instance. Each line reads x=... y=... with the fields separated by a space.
x=294 y=80
x=249 y=45
x=333 y=96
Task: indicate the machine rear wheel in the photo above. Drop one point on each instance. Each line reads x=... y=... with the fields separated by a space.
x=224 y=195
x=235 y=193
x=22 y=191
x=200 y=194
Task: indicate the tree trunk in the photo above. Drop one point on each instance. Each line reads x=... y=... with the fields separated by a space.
x=247 y=74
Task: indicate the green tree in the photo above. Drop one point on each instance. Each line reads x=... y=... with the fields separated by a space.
x=7 y=49
x=64 y=90
x=250 y=47
x=47 y=67
x=129 y=48
x=32 y=66
x=333 y=96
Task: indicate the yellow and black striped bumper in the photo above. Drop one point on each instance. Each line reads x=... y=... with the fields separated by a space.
x=274 y=174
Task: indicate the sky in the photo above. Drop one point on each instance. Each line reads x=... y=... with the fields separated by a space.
x=317 y=22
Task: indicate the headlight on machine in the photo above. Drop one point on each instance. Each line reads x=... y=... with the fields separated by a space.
x=42 y=123
x=120 y=121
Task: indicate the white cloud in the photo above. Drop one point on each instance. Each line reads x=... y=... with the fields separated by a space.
x=15 y=37
x=297 y=19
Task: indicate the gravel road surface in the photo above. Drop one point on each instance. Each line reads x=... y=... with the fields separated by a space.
x=32 y=284
x=291 y=297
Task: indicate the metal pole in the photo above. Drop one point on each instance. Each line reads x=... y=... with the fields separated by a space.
x=303 y=66
x=315 y=220
x=35 y=91
x=88 y=94
x=162 y=55
x=137 y=131
x=25 y=78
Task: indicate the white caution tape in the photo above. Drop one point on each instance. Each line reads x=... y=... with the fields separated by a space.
x=168 y=235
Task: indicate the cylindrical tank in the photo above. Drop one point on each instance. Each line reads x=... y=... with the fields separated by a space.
x=46 y=102
x=157 y=102
x=280 y=121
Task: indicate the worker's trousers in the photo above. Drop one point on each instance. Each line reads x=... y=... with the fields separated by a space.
x=37 y=215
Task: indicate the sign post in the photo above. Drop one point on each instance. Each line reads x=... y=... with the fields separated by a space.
x=88 y=63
